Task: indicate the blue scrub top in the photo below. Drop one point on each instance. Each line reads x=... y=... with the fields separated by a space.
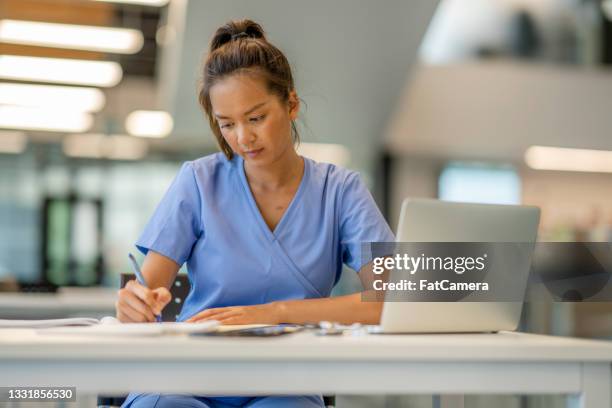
x=209 y=219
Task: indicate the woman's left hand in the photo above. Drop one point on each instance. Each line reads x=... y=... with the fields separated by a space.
x=265 y=314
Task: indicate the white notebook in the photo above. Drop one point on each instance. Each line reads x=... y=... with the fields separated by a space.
x=34 y=324
x=133 y=329
x=108 y=326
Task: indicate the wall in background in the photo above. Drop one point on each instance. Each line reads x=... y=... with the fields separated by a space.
x=572 y=203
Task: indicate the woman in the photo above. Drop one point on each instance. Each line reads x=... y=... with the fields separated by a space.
x=264 y=231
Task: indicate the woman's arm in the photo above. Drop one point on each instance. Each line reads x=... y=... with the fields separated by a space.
x=137 y=303
x=361 y=307
x=341 y=309
x=159 y=270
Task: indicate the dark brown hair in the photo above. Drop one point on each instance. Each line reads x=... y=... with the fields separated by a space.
x=240 y=46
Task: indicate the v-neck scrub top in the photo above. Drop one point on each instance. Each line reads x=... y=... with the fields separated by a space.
x=209 y=219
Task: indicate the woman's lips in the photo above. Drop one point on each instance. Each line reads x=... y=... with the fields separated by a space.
x=254 y=153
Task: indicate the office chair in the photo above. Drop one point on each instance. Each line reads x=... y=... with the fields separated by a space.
x=179 y=291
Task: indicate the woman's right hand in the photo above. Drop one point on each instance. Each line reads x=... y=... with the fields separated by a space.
x=138 y=304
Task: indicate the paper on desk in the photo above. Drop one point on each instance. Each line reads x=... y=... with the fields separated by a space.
x=33 y=324
x=134 y=329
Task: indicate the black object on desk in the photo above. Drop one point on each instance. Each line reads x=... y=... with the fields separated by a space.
x=263 y=331
x=38 y=287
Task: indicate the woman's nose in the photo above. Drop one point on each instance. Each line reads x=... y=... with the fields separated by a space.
x=245 y=137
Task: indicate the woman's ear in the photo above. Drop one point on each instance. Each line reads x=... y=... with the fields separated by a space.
x=294 y=105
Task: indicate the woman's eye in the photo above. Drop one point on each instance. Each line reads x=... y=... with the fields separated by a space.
x=225 y=125
x=257 y=118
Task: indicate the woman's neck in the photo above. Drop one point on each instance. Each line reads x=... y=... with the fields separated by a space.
x=281 y=173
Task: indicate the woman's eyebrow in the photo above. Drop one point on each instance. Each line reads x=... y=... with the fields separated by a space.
x=254 y=108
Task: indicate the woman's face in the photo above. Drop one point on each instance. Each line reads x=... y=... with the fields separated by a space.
x=255 y=123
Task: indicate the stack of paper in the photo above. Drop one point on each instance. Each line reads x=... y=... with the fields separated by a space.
x=135 y=329
x=35 y=324
x=109 y=326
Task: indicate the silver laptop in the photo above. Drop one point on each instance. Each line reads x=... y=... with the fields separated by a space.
x=424 y=220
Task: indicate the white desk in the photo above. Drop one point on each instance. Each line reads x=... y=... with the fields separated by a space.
x=505 y=363
x=66 y=302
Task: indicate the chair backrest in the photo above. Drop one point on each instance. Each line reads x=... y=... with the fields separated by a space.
x=179 y=291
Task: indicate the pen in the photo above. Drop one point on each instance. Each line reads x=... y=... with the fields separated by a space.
x=140 y=278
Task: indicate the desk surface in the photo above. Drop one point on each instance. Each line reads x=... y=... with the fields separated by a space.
x=303 y=363
x=66 y=302
x=27 y=344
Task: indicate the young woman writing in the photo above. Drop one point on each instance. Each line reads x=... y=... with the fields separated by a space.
x=264 y=232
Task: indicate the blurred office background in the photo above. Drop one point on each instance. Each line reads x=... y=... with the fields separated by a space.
x=503 y=101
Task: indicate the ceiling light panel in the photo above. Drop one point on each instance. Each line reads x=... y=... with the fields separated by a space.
x=12 y=142
x=566 y=159
x=71 y=36
x=85 y=146
x=125 y=147
x=154 y=3
x=144 y=123
x=53 y=120
x=41 y=96
x=60 y=70
x=100 y=146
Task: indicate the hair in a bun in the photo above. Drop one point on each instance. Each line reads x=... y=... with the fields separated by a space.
x=230 y=30
x=241 y=45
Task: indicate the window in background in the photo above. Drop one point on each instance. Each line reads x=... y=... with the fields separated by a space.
x=19 y=218
x=131 y=194
x=73 y=222
x=93 y=228
x=71 y=249
x=479 y=183
x=57 y=251
x=86 y=243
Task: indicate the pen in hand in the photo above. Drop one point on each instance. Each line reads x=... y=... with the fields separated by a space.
x=140 y=278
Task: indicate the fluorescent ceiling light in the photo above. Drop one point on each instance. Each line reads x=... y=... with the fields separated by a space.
x=12 y=142
x=58 y=70
x=127 y=148
x=566 y=159
x=78 y=37
x=68 y=97
x=53 y=120
x=100 y=146
x=149 y=123
x=156 y=3
x=86 y=146
x=326 y=153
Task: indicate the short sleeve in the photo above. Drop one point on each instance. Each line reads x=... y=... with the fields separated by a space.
x=175 y=225
x=360 y=222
